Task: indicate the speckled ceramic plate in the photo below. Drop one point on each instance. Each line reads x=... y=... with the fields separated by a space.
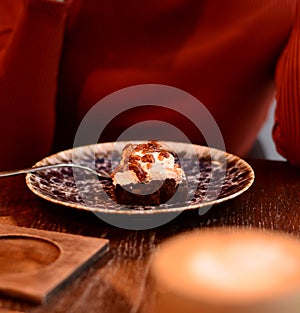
x=213 y=176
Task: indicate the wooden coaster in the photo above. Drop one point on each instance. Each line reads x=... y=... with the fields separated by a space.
x=35 y=263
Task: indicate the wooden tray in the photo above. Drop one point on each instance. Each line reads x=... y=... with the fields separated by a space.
x=35 y=263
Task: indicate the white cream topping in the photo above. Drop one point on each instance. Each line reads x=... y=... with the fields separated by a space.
x=162 y=168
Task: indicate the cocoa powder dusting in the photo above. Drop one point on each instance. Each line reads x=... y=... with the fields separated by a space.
x=140 y=173
x=134 y=158
x=163 y=154
x=147 y=149
x=148 y=158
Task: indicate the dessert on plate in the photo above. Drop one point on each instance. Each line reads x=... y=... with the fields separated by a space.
x=149 y=174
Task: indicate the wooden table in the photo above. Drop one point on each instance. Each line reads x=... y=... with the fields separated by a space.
x=118 y=282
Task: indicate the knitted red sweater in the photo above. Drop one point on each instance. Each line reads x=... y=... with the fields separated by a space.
x=59 y=59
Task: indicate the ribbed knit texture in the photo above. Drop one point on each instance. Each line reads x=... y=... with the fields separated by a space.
x=286 y=132
x=28 y=85
x=58 y=59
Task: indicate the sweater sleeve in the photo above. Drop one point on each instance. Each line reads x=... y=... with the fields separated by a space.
x=286 y=130
x=28 y=83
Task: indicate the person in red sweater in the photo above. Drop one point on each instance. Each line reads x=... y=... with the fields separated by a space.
x=58 y=58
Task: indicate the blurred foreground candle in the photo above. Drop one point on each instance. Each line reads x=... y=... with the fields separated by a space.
x=228 y=270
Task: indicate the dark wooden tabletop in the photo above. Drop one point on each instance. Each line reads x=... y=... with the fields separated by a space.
x=119 y=281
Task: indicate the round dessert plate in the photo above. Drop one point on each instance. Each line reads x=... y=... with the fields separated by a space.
x=212 y=176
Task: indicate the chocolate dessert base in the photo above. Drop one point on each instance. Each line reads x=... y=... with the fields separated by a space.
x=162 y=195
